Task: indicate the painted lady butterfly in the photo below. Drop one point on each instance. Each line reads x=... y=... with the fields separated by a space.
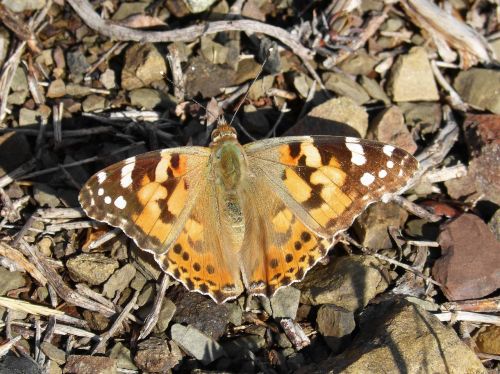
x=257 y=216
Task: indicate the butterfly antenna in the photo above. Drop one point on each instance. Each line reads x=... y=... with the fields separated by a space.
x=193 y=100
x=249 y=87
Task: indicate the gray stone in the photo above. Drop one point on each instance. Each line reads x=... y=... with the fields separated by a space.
x=285 y=302
x=18 y=6
x=238 y=347
x=397 y=335
x=260 y=87
x=77 y=90
x=335 y=325
x=45 y=195
x=54 y=353
x=108 y=79
x=4 y=44
x=196 y=344
x=198 y=6
x=77 y=63
x=127 y=9
x=372 y=225
x=11 y=280
x=425 y=116
x=167 y=311
x=372 y=87
x=155 y=355
x=235 y=313
x=19 y=88
x=342 y=85
x=143 y=65
x=360 y=63
x=94 y=103
x=348 y=282
x=91 y=268
x=122 y=356
x=145 y=98
x=480 y=88
x=340 y=116
x=119 y=281
x=412 y=79
x=214 y=52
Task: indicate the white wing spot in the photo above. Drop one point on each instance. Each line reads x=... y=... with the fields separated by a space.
x=126 y=174
x=367 y=179
x=382 y=173
x=100 y=191
x=350 y=139
x=400 y=174
x=388 y=149
x=120 y=202
x=107 y=200
x=358 y=155
x=390 y=164
x=101 y=177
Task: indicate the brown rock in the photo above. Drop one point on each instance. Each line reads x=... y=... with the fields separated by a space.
x=206 y=78
x=468 y=267
x=479 y=87
x=486 y=172
x=372 y=225
x=91 y=268
x=342 y=85
x=202 y=313
x=90 y=365
x=340 y=116
x=389 y=127
x=335 y=325
x=397 y=336
x=347 y=282
x=412 y=79
x=157 y=356
x=143 y=65
x=488 y=340
x=481 y=130
x=57 y=88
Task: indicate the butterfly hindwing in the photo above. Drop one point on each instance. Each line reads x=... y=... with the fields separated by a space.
x=278 y=248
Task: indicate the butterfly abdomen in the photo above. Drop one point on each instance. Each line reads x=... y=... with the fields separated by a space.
x=229 y=168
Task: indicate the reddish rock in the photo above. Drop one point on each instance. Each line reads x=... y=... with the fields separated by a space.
x=469 y=265
x=389 y=127
x=90 y=365
x=480 y=130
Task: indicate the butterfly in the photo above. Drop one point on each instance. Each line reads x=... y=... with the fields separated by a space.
x=230 y=217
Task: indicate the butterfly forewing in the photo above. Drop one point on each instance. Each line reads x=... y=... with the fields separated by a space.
x=147 y=196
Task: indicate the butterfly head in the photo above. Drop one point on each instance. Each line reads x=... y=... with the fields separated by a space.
x=224 y=131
